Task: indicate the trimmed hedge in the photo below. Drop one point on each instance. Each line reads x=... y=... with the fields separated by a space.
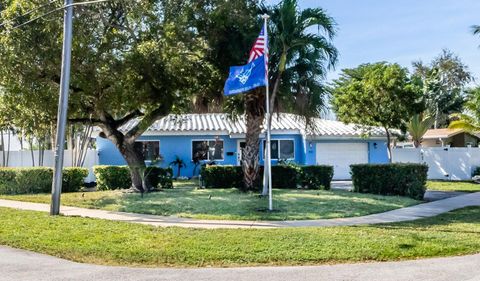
x=390 y=179
x=160 y=177
x=112 y=177
x=73 y=179
x=38 y=180
x=118 y=177
x=283 y=176
x=317 y=177
x=222 y=176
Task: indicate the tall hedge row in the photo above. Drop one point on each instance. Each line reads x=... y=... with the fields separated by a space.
x=404 y=179
x=39 y=180
x=118 y=177
x=283 y=176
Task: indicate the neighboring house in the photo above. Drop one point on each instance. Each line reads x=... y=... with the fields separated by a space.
x=449 y=137
x=215 y=137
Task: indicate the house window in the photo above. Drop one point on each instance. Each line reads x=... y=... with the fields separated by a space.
x=207 y=149
x=281 y=149
x=150 y=150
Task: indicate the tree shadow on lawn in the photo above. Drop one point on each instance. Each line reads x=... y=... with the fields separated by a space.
x=236 y=205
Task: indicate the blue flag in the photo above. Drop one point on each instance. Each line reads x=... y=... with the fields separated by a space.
x=246 y=77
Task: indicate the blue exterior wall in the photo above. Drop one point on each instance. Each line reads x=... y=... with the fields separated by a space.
x=181 y=146
x=298 y=143
x=377 y=152
x=171 y=146
x=108 y=154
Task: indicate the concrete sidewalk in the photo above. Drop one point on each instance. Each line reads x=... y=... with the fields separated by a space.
x=405 y=214
x=24 y=265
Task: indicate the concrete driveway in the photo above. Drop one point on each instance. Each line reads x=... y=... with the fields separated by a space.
x=18 y=265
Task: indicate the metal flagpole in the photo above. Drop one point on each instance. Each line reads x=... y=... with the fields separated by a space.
x=62 y=108
x=268 y=162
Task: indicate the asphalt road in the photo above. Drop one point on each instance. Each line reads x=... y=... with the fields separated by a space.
x=18 y=265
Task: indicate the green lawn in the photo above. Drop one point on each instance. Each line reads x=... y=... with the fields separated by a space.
x=186 y=201
x=118 y=243
x=453 y=186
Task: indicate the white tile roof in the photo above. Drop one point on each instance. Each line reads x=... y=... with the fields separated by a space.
x=220 y=122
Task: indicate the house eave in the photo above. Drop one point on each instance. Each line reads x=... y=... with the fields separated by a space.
x=338 y=137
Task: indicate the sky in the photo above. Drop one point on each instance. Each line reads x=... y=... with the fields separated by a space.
x=402 y=31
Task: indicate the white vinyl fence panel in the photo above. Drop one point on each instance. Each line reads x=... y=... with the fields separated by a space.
x=20 y=159
x=443 y=163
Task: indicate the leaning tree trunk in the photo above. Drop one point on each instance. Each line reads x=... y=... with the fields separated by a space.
x=254 y=116
x=137 y=167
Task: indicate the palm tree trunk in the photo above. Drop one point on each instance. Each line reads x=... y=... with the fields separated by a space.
x=416 y=143
x=255 y=115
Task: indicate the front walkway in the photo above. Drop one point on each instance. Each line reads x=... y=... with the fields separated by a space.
x=23 y=265
x=399 y=215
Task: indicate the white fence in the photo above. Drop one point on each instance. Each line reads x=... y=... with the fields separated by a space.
x=24 y=159
x=443 y=163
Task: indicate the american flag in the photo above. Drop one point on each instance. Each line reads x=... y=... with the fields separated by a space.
x=258 y=48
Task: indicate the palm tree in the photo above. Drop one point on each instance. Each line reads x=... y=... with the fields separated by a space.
x=418 y=126
x=300 y=59
x=469 y=120
x=179 y=163
x=293 y=45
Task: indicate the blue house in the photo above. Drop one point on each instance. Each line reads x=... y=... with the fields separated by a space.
x=215 y=137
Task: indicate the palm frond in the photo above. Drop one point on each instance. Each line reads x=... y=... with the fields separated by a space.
x=419 y=125
x=318 y=17
x=476 y=29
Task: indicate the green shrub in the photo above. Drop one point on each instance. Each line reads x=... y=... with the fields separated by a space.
x=118 y=177
x=39 y=180
x=160 y=177
x=476 y=171
x=317 y=177
x=73 y=179
x=112 y=177
x=390 y=179
x=222 y=176
x=284 y=176
x=33 y=180
x=7 y=181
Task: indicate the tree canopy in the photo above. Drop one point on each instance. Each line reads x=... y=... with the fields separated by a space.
x=444 y=81
x=469 y=119
x=130 y=60
x=378 y=94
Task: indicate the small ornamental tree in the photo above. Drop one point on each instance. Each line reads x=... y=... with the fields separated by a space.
x=378 y=94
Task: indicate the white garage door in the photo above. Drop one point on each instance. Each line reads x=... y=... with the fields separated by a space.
x=341 y=156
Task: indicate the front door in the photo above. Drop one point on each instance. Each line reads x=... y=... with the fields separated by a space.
x=240 y=146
